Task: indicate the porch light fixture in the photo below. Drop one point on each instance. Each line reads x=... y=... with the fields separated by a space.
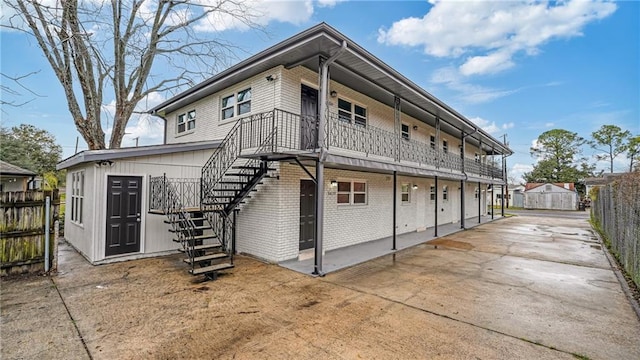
x=333 y=93
x=334 y=183
x=415 y=186
x=415 y=127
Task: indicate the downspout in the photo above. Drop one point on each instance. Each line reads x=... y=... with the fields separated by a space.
x=463 y=182
x=322 y=145
x=164 y=132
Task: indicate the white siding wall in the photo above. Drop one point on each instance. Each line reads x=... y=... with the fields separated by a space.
x=154 y=237
x=82 y=237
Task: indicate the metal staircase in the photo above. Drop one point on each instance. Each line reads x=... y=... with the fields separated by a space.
x=205 y=253
x=202 y=214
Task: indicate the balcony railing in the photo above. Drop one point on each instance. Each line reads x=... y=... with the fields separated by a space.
x=287 y=131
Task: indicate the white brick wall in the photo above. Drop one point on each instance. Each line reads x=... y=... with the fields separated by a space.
x=268 y=225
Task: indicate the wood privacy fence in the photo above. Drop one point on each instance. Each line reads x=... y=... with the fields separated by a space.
x=22 y=230
x=616 y=212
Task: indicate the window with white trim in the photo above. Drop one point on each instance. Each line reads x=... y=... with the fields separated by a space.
x=350 y=112
x=405 y=193
x=432 y=142
x=352 y=192
x=445 y=193
x=476 y=194
x=476 y=157
x=236 y=104
x=432 y=193
x=186 y=122
x=405 y=132
x=77 y=196
x=445 y=146
x=461 y=151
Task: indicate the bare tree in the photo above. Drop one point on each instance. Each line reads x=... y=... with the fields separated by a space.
x=96 y=46
x=16 y=90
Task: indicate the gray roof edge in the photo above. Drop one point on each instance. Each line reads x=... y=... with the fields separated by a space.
x=7 y=168
x=123 y=153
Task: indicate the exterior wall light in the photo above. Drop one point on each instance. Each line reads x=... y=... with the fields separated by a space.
x=333 y=93
x=415 y=186
x=334 y=183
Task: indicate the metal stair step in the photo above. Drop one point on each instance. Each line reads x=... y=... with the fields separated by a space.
x=204 y=247
x=177 y=221
x=198 y=237
x=207 y=257
x=251 y=167
x=212 y=268
x=202 y=227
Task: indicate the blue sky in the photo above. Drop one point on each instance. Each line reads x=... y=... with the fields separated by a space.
x=513 y=68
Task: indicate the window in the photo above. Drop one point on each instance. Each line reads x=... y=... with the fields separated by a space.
x=77 y=196
x=405 y=193
x=236 y=104
x=349 y=112
x=476 y=157
x=352 y=192
x=445 y=146
x=476 y=194
x=432 y=193
x=432 y=142
x=405 y=132
x=445 y=193
x=547 y=187
x=461 y=152
x=187 y=121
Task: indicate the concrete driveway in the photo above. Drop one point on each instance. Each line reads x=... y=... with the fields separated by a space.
x=519 y=288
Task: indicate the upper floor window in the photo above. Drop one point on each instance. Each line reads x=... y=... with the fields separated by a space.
x=77 y=196
x=461 y=151
x=352 y=192
x=445 y=146
x=236 y=104
x=349 y=112
x=476 y=157
x=187 y=121
x=405 y=132
x=432 y=142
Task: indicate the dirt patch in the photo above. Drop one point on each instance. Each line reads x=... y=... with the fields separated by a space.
x=597 y=247
x=453 y=244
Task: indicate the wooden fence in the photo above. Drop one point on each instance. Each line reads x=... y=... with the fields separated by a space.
x=22 y=231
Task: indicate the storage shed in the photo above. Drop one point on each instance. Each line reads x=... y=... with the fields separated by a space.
x=551 y=196
x=107 y=216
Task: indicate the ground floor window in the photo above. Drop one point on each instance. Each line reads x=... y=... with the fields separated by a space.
x=352 y=192
x=77 y=196
x=432 y=193
x=445 y=193
x=405 y=193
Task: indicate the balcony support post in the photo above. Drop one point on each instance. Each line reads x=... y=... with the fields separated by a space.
x=492 y=195
x=395 y=204
x=322 y=147
x=479 y=202
x=397 y=128
x=435 y=228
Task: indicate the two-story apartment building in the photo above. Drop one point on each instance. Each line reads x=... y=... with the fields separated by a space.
x=313 y=144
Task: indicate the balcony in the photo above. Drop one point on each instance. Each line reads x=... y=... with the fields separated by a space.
x=279 y=134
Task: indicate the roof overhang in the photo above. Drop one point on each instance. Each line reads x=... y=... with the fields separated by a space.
x=123 y=153
x=355 y=68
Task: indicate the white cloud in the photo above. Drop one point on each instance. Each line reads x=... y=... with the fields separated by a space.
x=328 y=3
x=490 y=33
x=469 y=93
x=549 y=124
x=490 y=126
x=517 y=170
x=261 y=12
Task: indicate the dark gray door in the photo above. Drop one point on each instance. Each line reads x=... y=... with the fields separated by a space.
x=309 y=118
x=307 y=213
x=123 y=214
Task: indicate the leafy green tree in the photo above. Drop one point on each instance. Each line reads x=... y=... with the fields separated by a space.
x=633 y=152
x=30 y=148
x=559 y=154
x=611 y=141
